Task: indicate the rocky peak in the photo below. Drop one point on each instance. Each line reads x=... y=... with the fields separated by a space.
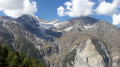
x=5 y=18
x=83 y=20
x=29 y=18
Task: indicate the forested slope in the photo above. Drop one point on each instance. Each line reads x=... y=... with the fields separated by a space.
x=9 y=58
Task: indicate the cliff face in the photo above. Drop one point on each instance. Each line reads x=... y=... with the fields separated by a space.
x=78 y=42
x=87 y=54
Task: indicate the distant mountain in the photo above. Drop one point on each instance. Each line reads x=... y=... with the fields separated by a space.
x=78 y=42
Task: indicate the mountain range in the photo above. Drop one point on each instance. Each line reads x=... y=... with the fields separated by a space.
x=77 y=42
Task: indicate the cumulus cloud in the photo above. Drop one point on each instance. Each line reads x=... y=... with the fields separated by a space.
x=116 y=19
x=17 y=8
x=76 y=8
x=106 y=8
x=61 y=11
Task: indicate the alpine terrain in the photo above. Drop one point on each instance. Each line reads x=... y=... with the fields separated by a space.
x=78 y=42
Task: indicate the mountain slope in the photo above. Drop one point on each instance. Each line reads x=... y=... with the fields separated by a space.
x=82 y=41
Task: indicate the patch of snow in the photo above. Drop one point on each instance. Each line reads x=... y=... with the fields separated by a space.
x=68 y=29
x=34 y=16
x=72 y=48
x=87 y=27
x=38 y=47
x=57 y=25
x=45 y=25
x=15 y=22
x=52 y=23
x=49 y=25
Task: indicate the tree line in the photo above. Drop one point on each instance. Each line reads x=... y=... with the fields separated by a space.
x=10 y=58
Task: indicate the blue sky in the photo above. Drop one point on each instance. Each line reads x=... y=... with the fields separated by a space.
x=47 y=9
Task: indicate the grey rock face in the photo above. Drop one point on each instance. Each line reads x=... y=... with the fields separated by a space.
x=78 y=42
x=89 y=56
x=86 y=54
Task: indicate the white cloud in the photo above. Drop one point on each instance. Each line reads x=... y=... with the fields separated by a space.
x=17 y=8
x=61 y=11
x=76 y=8
x=106 y=8
x=116 y=19
x=111 y=9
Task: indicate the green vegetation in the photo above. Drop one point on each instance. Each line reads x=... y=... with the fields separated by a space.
x=29 y=49
x=68 y=58
x=9 y=58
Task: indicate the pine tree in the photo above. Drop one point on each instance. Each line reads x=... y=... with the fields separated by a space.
x=8 y=58
x=14 y=62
